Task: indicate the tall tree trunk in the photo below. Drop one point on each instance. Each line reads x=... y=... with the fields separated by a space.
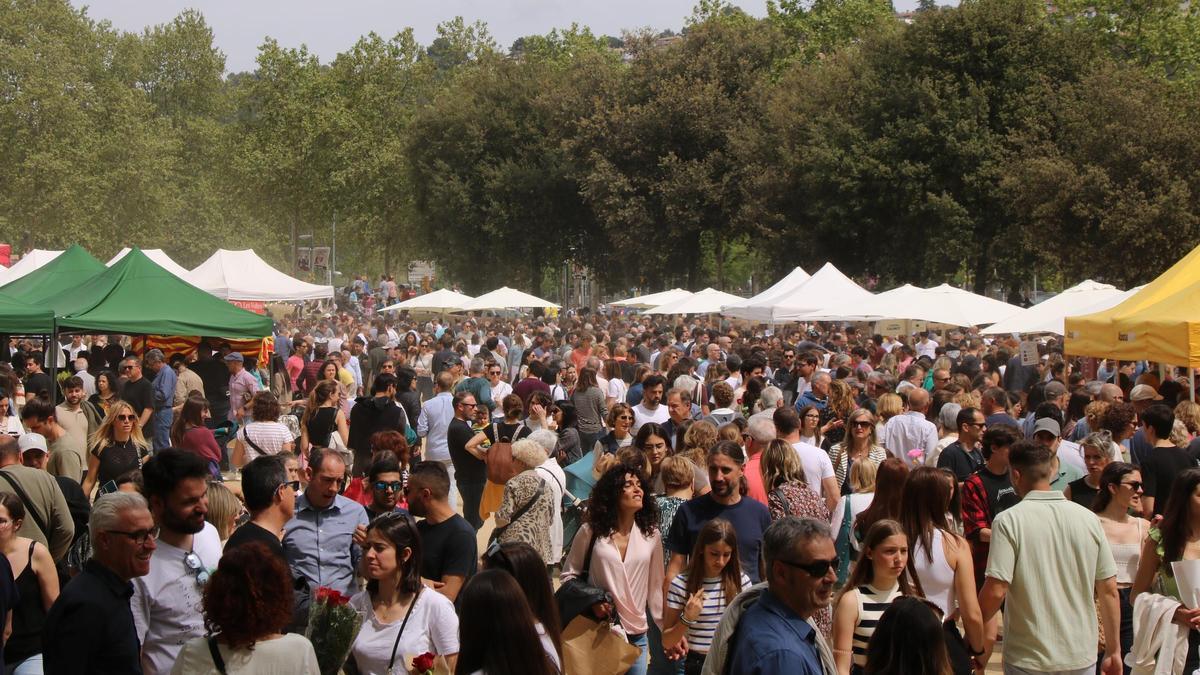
x=982 y=265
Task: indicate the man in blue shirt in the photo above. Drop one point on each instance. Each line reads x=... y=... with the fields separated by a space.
x=774 y=634
x=164 y=398
x=319 y=541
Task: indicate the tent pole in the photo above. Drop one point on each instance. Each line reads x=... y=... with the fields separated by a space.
x=1192 y=382
x=54 y=361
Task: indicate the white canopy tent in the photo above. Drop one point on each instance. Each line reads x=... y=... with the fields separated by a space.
x=760 y=307
x=653 y=299
x=851 y=311
x=828 y=288
x=157 y=255
x=441 y=300
x=707 y=301
x=941 y=304
x=28 y=263
x=507 y=298
x=242 y=275
x=1049 y=316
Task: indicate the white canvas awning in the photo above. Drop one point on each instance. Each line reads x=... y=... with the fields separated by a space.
x=441 y=300
x=760 y=307
x=707 y=301
x=28 y=263
x=157 y=255
x=941 y=304
x=507 y=298
x=242 y=275
x=653 y=299
x=1049 y=316
x=827 y=291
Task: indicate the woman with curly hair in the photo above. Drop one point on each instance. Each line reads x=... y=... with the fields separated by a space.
x=247 y=605
x=620 y=546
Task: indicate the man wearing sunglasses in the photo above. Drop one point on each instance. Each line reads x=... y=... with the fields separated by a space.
x=167 y=601
x=774 y=635
x=387 y=486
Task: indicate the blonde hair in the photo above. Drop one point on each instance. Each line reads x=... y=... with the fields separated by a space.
x=862 y=476
x=103 y=435
x=1179 y=434
x=1188 y=413
x=676 y=471
x=888 y=406
x=697 y=440
x=223 y=507
x=841 y=398
x=781 y=465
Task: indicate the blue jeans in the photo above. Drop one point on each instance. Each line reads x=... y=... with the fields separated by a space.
x=639 y=666
x=160 y=424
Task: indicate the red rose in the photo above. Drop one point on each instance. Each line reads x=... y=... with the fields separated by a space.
x=324 y=593
x=423 y=663
x=338 y=598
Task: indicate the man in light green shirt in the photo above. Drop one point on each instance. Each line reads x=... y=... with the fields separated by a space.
x=1048 y=556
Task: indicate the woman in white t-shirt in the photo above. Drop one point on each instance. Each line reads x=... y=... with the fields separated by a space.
x=615 y=393
x=249 y=635
x=265 y=435
x=401 y=618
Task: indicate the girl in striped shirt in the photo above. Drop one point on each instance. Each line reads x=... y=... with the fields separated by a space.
x=878 y=578
x=696 y=598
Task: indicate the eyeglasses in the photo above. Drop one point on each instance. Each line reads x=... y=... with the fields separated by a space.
x=394 y=486
x=816 y=568
x=139 y=537
x=294 y=484
x=975 y=424
x=193 y=563
x=125 y=368
x=1134 y=485
x=812 y=417
x=126 y=418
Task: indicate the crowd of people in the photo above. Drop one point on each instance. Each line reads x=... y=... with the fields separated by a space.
x=729 y=499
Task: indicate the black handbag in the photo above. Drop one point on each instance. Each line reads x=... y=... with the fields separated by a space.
x=578 y=595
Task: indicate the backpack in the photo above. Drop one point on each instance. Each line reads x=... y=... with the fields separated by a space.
x=500 y=463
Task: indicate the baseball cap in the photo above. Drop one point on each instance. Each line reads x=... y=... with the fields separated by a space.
x=1048 y=424
x=234 y=356
x=1144 y=392
x=32 y=442
x=1054 y=389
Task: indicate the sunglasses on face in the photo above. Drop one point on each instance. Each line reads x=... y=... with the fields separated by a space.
x=862 y=424
x=816 y=568
x=1134 y=485
x=126 y=418
x=294 y=484
x=394 y=486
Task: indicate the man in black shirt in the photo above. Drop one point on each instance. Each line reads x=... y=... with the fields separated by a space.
x=137 y=391
x=37 y=382
x=370 y=414
x=90 y=629
x=215 y=376
x=470 y=471
x=963 y=456
x=448 y=547
x=1164 y=462
x=271 y=499
x=987 y=493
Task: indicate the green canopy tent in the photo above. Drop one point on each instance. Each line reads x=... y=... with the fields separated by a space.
x=136 y=296
x=18 y=318
x=64 y=274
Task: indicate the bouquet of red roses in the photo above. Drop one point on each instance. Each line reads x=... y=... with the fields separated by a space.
x=332 y=627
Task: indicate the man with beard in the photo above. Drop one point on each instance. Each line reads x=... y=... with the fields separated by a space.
x=90 y=628
x=649 y=409
x=449 y=547
x=775 y=633
x=167 y=601
x=749 y=518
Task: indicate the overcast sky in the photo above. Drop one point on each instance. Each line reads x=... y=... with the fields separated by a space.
x=329 y=27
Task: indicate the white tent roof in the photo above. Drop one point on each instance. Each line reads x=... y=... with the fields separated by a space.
x=940 y=304
x=157 y=255
x=28 y=263
x=654 y=299
x=1050 y=315
x=759 y=307
x=828 y=288
x=441 y=300
x=506 y=298
x=242 y=275
x=853 y=311
x=707 y=301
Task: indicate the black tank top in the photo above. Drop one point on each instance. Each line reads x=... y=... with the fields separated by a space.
x=1082 y=493
x=116 y=459
x=321 y=425
x=29 y=616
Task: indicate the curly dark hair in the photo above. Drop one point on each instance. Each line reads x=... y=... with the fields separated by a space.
x=265 y=407
x=249 y=596
x=602 y=508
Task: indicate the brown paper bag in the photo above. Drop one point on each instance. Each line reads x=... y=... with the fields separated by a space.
x=592 y=648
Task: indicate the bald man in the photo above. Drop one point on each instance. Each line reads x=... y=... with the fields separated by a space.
x=910 y=431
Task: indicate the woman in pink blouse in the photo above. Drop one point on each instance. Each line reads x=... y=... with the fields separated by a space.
x=627 y=559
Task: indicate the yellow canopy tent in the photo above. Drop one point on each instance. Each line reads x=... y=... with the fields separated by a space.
x=1161 y=322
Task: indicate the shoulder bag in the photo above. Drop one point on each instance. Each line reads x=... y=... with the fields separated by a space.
x=520 y=512
x=501 y=466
